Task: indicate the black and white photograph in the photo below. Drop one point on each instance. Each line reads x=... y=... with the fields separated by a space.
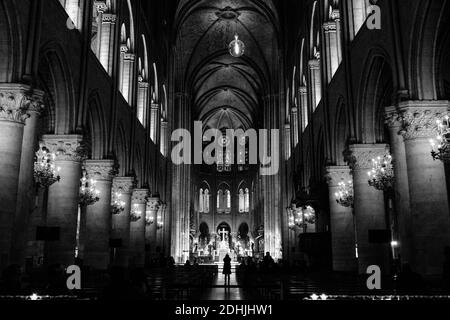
x=224 y=158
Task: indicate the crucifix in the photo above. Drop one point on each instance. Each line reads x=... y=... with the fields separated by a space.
x=223 y=233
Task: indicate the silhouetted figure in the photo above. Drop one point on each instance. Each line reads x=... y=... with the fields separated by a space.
x=227 y=269
x=188 y=265
x=171 y=263
x=409 y=281
x=11 y=280
x=268 y=262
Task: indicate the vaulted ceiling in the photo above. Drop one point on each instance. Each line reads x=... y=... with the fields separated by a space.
x=226 y=91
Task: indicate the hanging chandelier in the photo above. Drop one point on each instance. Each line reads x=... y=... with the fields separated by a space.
x=301 y=216
x=88 y=195
x=117 y=205
x=236 y=47
x=135 y=214
x=45 y=173
x=149 y=220
x=381 y=177
x=344 y=196
x=441 y=145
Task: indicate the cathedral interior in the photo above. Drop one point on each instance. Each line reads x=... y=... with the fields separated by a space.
x=349 y=103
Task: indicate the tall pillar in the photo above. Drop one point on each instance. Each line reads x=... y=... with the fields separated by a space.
x=14 y=103
x=427 y=185
x=25 y=192
x=304 y=107
x=401 y=190
x=62 y=211
x=342 y=223
x=98 y=215
x=142 y=102
x=127 y=75
x=121 y=222
x=164 y=138
x=154 y=121
x=287 y=141
x=331 y=47
x=294 y=124
x=369 y=207
x=137 y=228
x=160 y=228
x=153 y=205
x=316 y=82
x=106 y=34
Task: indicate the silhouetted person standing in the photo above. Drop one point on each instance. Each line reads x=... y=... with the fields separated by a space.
x=227 y=269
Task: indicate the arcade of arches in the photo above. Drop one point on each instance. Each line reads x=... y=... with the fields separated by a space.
x=96 y=88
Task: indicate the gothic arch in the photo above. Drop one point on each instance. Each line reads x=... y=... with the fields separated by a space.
x=121 y=150
x=10 y=43
x=55 y=76
x=341 y=132
x=430 y=23
x=96 y=121
x=376 y=92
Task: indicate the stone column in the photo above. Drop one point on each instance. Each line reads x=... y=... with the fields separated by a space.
x=137 y=228
x=304 y=108
x=121 y=222
x=331 y=48
x=127 y=74
x=14 y=103
x=62 y=210
x=160 y=229
x=287 y=141
x=153 y=205
x=98 y=215
x=316 y=82
x=142 y=102
x=342 y=222
x=106 y=36
x=25 y=192
x=369 y=207
x=427 y=185
x=154 y=121
x=294 y=124
x=401 y=192
x=164 y=138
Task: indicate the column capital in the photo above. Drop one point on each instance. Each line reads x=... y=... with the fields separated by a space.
x=392 y=117
x=15 y=100
x=100 y=170
x=303 y=90
x=66 y=147
x=140 y=196
x=337 y=174
x=330 y=26
x=124 y=184
x=359 y=156
x=314 y=64
x=153 y=204
x=36 y=102
x=154 y=106
x=109 y=18
x=294 y=110
x=419 y=118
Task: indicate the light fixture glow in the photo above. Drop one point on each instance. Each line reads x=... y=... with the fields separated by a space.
x=237 y=47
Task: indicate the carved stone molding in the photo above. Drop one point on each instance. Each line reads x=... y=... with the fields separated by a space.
x=392 y=118
x=153 y=204
x=419 y=118
x=337 y=174
x=103 y=170
x=15 y=100
x=329 y=26
x=140 y=196
x=359 y=156
x=124 y=184
x=109 y=18
x=66 y=147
